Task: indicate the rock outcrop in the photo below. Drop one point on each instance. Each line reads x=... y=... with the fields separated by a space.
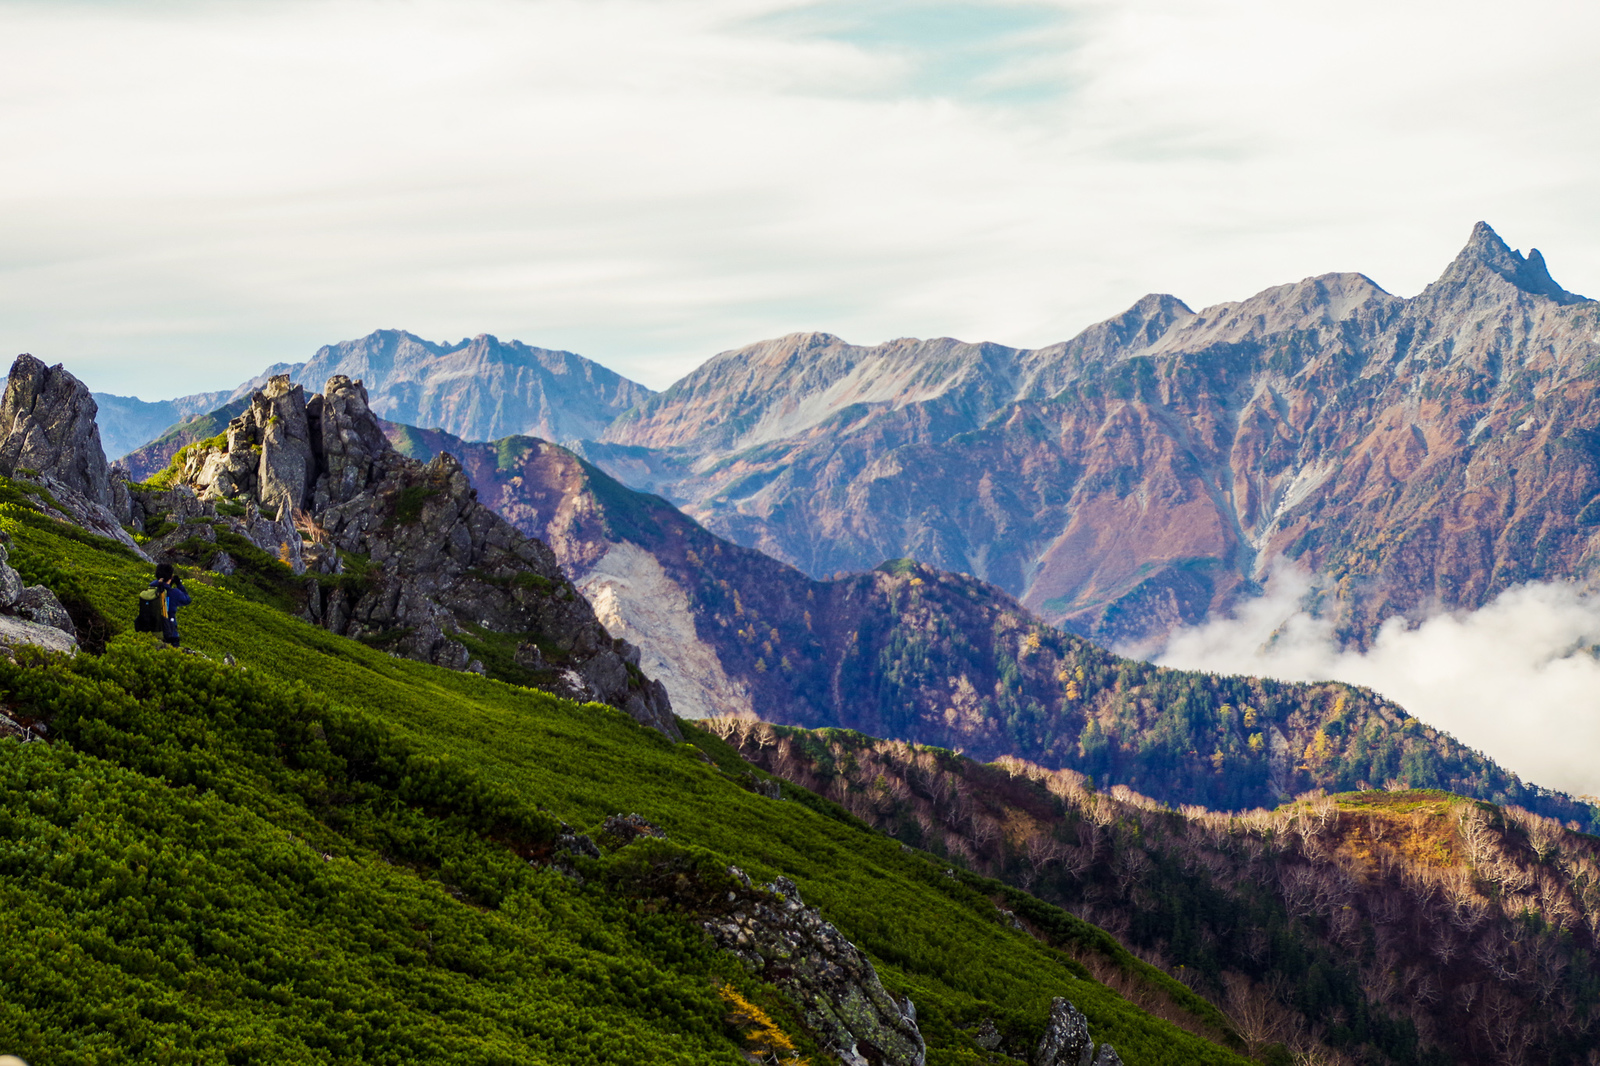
x=396 y=551
x=31 y=615
x=1066 y=1040
x=826 y=977
x=47 y=426
x=48 y=437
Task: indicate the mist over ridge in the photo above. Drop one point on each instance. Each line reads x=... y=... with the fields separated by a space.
x=1518 y=677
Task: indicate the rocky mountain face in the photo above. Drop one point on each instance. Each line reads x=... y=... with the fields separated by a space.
x=480 y=389
x=1411 y=452
x=910 y=653
x=48 y=429
x=1378 y=927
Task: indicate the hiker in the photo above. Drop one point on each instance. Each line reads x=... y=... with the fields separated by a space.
x=159 y=611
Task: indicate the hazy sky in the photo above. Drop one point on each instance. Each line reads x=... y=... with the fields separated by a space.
x=192 y=190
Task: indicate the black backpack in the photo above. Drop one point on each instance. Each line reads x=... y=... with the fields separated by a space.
x=149 y=619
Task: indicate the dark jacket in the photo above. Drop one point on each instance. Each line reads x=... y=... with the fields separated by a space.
x=176 y=597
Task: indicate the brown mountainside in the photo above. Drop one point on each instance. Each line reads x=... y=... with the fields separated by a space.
x=1412 y=452
x=1375 y=927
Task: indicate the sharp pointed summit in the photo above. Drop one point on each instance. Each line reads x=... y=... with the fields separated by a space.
x=1486 y=249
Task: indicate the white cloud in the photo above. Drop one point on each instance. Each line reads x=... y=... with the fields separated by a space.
x=193 y=190
x=1517 y=679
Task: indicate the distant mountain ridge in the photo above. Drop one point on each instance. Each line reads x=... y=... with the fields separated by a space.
x=1412 y=453
x=481 y=388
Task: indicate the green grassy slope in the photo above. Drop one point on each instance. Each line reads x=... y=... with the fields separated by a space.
x=319 y=855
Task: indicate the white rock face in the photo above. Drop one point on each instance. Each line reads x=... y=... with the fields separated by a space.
x=635 y=599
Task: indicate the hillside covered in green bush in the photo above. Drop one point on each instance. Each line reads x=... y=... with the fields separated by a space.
x=297 y=848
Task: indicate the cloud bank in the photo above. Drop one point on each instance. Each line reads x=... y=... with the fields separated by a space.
x=1518 y=679
x=194 y=190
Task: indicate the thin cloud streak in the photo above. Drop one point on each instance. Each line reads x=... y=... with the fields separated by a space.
x=201 y=189
x=1518 y=678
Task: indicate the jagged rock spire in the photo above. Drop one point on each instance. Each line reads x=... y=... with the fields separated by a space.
x=47 y=424
x=1486 y=250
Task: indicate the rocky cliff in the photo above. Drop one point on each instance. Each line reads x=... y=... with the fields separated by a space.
x=1411 y=452
x=392 y=551
x=47 y=428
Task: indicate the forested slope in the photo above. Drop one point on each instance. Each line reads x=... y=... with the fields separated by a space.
x=1389 y=927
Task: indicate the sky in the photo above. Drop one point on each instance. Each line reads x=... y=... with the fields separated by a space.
x=193 y=190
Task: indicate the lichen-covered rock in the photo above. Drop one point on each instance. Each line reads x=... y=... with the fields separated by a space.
x=1066 y=1038
x=47 y=425
x=1107 y=1056
x=39 y=605
x=620 y=830
x=828 y=980
x=19 y=632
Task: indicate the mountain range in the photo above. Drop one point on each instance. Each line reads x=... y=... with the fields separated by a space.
x=1382 y=926
x=1412 y=454
x=480 y=389
x=907 y=652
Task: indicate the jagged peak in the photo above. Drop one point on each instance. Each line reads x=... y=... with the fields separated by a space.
x=1485 y=249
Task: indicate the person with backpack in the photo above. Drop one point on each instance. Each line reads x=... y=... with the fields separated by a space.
x=158 y=604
